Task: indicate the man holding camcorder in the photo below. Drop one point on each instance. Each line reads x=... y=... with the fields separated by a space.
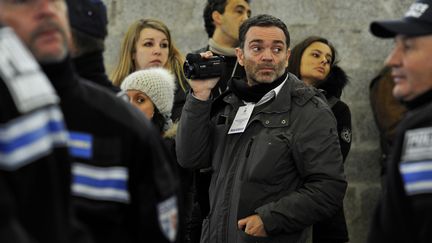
x=270 y=141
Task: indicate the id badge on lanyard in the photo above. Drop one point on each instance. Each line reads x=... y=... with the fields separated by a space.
x=241 y=119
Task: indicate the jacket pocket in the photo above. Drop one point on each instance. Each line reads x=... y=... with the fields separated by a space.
x=243 y=237
x=268 y=158
x=253 y=195
x=299 y=237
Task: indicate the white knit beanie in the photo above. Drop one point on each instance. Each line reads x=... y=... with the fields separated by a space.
x=157 y=83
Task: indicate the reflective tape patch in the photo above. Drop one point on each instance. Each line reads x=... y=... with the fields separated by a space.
x=168 y=218
x=80 y=145
x=100 y=183
x=417 y=177
x=28 y=85
x=417 y=145
x=30 y=137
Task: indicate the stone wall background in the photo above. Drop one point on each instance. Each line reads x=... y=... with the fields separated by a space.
x=344 y=22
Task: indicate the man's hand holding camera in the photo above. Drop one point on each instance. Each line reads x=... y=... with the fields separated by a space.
x=204 y=72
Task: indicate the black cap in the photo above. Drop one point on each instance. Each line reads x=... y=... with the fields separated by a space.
x=416 y=22
x=89 y=17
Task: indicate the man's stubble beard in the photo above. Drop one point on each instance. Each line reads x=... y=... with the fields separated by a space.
x=40 y=55
x=253 y=78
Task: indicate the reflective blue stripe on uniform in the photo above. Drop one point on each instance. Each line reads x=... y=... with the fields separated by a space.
x=417 y=177
x=80 y=145
x=30 y=137
x=100 y=183
x=107 y=183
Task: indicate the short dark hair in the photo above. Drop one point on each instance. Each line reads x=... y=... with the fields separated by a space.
x=262 y=20
x=297 y=53
x=211 y=6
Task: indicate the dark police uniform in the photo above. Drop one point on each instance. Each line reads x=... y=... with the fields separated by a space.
x=122 y=185
x=405 y=211
x=34 y=161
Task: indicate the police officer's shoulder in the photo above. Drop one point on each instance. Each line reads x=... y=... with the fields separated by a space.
x=340 y=106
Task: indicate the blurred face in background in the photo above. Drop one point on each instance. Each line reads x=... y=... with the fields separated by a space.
x=41 y=24
x=411 y=65
x=141 y=101
x=236 y=12
x=315 y=63
x=151 y=49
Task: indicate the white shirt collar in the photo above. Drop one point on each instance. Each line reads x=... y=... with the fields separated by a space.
x=272 y=93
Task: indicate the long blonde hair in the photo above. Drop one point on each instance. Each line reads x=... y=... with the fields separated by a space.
x=126 y=65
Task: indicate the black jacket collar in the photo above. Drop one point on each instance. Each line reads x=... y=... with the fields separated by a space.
x=294 y=90
x=419 y=100
x=61 y=74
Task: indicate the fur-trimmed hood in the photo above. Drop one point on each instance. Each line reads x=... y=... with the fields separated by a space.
x=335 y=82
x=171 y=132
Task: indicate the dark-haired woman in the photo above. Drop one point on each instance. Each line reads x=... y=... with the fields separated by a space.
x=314 y=61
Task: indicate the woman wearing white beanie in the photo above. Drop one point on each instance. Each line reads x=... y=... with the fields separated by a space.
x=152 y=91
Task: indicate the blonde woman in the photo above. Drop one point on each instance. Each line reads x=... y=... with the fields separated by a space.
x=148 y=43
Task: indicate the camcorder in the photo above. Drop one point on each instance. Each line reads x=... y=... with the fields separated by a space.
x=196 y=67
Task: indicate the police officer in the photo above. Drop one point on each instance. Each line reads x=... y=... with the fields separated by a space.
x=404 y=213
x=122 y=182
x=34 y=162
